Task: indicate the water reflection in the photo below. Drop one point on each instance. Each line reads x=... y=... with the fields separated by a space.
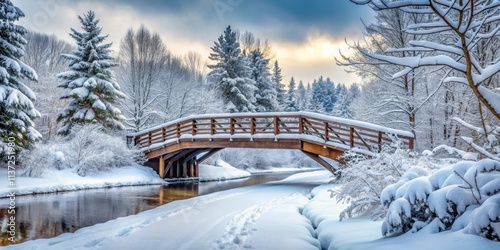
x=49 y=215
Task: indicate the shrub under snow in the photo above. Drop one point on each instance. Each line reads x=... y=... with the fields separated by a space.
x=89 y=149
x=465 y=195
x=364 y=179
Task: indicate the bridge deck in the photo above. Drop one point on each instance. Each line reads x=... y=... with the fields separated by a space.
x=174 y=147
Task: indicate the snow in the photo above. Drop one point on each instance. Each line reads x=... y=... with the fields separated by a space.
x=221 y=172
x=451 y=150
x=296 y=213
x=68 y=180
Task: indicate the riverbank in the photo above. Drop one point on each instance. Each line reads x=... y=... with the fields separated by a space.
x=67 y=180
x=296 y=213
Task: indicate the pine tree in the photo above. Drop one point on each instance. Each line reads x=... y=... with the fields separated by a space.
x=93 y=88
x=277 y=78
x=265 y=93
x=323 y=95
x=16 y=99
x=229 y=74
x=342 y=106
x=291 y=102
x=303 y=99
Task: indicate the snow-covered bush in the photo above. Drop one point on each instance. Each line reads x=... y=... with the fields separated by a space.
x=88 y=149
x=465 y=195
x=362 y=180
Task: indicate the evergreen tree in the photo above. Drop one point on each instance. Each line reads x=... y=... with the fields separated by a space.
x=16 y=99
x=229 y=74
x=93 y=88
x=265 y=93
x=323 y=95
x=302 y=97
x=277 y=78
x=342 y=106
x=291 y=102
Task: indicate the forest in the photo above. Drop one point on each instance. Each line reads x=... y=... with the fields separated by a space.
x=432 y=69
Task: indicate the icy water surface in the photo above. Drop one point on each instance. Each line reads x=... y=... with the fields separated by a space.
x=49 y=215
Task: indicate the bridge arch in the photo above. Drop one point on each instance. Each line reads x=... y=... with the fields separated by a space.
x=175 y=149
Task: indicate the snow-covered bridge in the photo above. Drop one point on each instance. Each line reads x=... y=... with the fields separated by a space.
x=176 y=148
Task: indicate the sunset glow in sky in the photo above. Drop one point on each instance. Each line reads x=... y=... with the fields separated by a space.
x=305 y=36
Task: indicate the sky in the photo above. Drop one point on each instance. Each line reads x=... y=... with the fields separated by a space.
x=305 y=35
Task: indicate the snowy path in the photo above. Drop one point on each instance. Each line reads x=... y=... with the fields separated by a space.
x=224 y=220
x=271 y=216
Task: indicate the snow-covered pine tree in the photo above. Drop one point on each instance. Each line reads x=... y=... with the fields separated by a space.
x=16 y=99
x=277 y=78
x=265 y=94
x=93 y=88
x=229 y=74
x=303 y=99
x=291 y=100
x=323 y=95
x=345 y=97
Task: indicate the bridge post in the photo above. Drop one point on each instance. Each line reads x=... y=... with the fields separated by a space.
x=326 y=131
x=351 y=137
x=212 y=126
x=231 y=126
x=276 y=126
x=379 y=141
x=161 y=167
x=411 y=142
x=193 y=127
x=252 y=126
x=301 y=125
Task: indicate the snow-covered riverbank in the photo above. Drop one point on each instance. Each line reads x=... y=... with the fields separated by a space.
x=279 y=215
x=68 y=180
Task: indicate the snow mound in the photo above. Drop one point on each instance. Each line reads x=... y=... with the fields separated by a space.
x=221 y=172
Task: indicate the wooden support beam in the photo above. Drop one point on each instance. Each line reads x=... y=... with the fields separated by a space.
x=172 y=160
x=191 y=168
x=184 y=169
x=208 y=154
x=161 y=169
x=320 y=160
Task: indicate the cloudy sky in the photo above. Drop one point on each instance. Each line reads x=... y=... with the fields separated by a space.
x=305 y=35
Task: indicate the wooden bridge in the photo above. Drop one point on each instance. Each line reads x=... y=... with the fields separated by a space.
x=175 y=149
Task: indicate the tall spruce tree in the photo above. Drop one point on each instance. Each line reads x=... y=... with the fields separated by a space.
x=229 y=74
x=303 y=99
x=265 y=93
x=93 y=90
x=277 y=79
x=324 y=95
x=291 y=100
x=16 y=99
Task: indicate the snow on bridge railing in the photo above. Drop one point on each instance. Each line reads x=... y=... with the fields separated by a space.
x=351 y=133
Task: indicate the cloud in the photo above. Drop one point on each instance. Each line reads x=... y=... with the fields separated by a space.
x=305 y=35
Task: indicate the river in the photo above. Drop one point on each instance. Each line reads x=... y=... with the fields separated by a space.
x=49 y=215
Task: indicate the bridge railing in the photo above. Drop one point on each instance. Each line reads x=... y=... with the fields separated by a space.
x=306 y=125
